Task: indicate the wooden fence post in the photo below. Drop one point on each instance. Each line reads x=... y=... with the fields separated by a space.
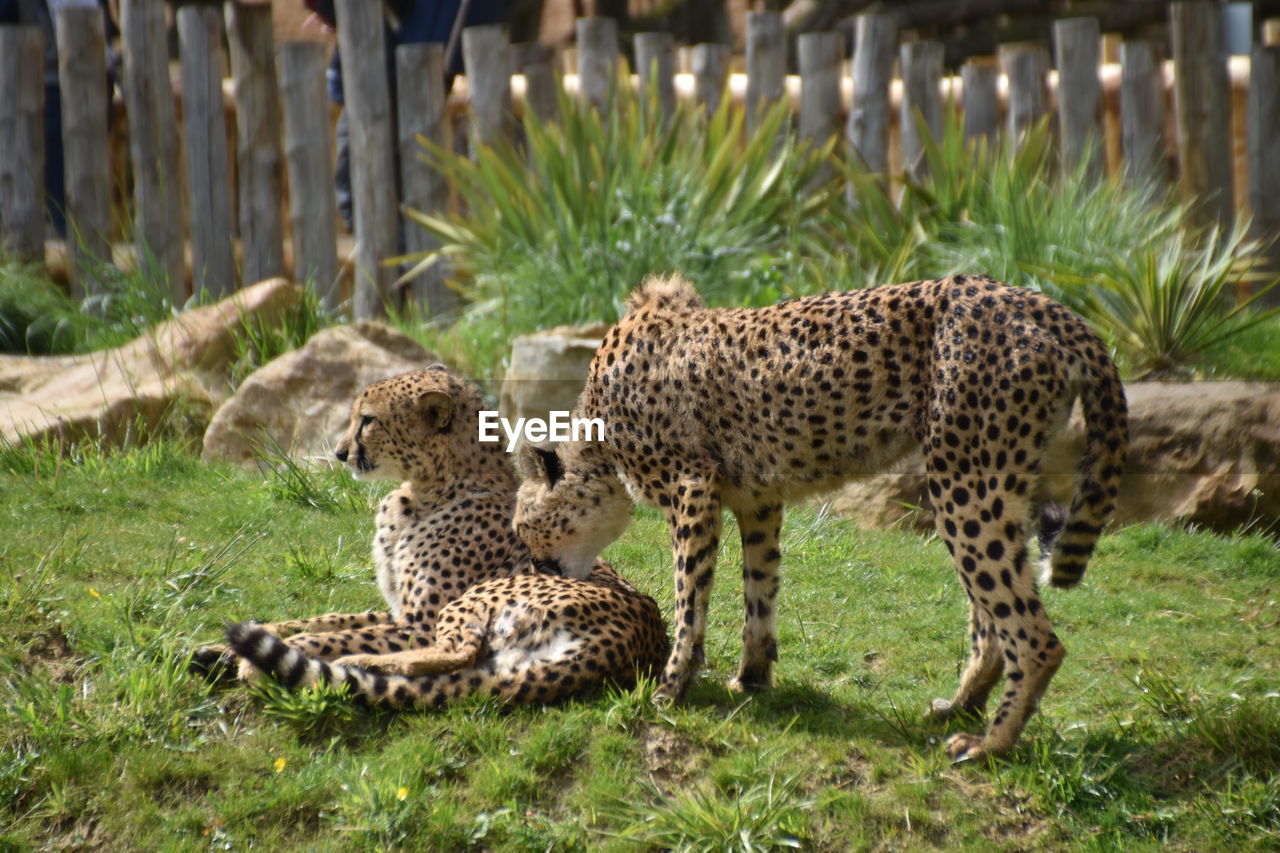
x=362 y=43
x=421 y=108
x=259 y=160
x=979 y=78
x=213 y=258
x=1264 y=153
x=874 y=49
x=1202 y=104
x=486 y=50
x=921 y=78
x=656 y=65
x=1076 y=46
x=308 y=150
x=820 y=56
x=1142 y=112
x=22 y=143
x=82 y=76
x=153 y=141
x=766 y=64
x=710 y=66
x=1271 y=32
x=597 y=59
x=1025 y=66
x=539 y=80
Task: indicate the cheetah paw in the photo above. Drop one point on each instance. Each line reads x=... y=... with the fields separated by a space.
x=964 y=747
x=215 y=663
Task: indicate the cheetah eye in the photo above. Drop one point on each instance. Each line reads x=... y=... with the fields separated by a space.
x=365 y=420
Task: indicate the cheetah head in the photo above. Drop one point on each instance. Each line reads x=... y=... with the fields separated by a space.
x=568 y=509
x=409 y=427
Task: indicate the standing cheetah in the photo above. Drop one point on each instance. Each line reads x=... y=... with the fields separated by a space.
x=751 y=408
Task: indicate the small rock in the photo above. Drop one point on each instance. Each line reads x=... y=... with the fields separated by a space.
x=548 y=370
x=300 y=403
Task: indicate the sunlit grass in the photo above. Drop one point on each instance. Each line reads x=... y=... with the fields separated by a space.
x=1159 y=730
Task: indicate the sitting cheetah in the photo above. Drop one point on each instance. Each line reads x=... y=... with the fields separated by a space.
x=446 y=528
x=750 y=408
x=526 y=638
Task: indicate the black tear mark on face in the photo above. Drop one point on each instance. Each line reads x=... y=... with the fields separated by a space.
x=550 y=464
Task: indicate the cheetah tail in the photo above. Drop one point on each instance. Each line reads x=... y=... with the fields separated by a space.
x=1106 y=441
x=292 y=668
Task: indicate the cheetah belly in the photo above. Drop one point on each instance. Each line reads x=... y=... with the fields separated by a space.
x=523 y=636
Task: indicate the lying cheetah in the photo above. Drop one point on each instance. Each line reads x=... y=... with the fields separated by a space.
x=751 y=408
x=446 y=528
x=526 y=638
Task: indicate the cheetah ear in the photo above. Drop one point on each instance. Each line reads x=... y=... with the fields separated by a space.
x=438 y=409
x=540 y=464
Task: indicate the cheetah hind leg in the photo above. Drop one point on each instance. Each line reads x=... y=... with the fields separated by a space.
x=447 y=654
x=413 y=662
x=983 y=671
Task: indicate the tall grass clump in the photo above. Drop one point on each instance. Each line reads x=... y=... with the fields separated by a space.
x=1123 y=255
x=38 y=317
x=559 y=231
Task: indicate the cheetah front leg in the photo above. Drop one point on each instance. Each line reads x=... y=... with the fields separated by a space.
x=329 y=622
x=694 y=519
x=760 y=529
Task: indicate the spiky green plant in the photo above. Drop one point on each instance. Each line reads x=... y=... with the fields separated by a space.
x=1162 y=305
x=560 y=231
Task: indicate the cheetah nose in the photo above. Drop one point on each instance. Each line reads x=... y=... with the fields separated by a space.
x=341 y=453
x=548 y=567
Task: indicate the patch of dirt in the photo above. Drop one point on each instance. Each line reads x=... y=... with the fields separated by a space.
x=669 y=757
x=49 y=649
x=83 y=834
x=1016 y=821
x=853 y=772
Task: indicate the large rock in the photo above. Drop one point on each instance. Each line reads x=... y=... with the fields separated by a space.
x=548 y=370
x=300 y=402
x=1202 y=452
x=111 y=394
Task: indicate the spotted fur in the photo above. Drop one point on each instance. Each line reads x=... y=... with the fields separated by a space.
x=748 y=409
x=526 y=638
x=445 y=554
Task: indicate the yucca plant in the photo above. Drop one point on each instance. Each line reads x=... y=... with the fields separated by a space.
x=560 y=231
x=1163 y=305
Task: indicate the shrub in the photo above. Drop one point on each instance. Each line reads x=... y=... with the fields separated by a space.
x=561 y=231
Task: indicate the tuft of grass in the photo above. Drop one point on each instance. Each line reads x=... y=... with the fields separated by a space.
x=313 y=713
x=326 y=489
x=255 y=343
x=769 y=814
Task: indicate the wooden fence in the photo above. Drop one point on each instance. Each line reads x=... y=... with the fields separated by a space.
x=230 y=194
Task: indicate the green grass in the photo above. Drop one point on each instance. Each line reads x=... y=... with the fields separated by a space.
x=1162 y=730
